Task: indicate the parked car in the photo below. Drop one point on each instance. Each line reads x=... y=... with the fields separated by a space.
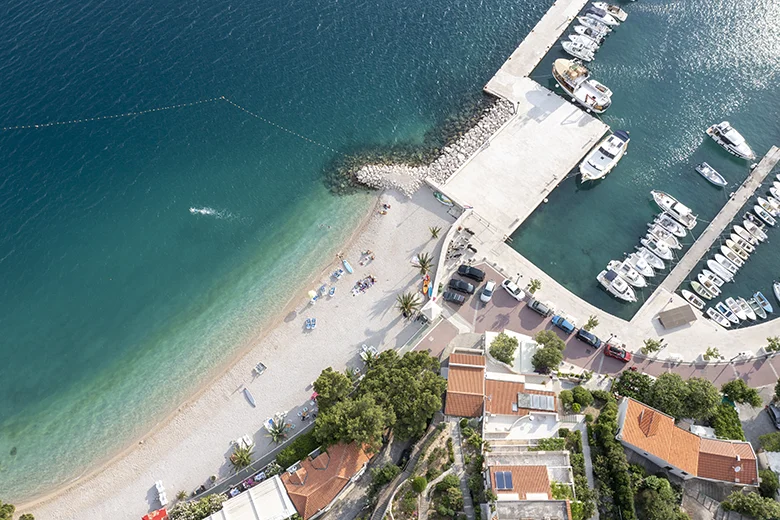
x=404 y=460
x=563 y=324
x=617 y=353
x=487 y=292
x=589 y=338
x=513 y=290
x=774 y=414
x=460 y=285
x=471 y=272
x=545 y=309
x=453 y=297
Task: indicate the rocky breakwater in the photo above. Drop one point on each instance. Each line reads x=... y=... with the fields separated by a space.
x=407 y=178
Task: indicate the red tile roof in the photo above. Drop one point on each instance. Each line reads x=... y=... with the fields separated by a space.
x=317 y=482
x=525 y=480
x=467 y=359
x=501 y=395
x=465 y=386
x=729 y=461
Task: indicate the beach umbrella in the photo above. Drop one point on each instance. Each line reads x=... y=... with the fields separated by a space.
x=313 y=396
x=312 y=294
x=160 y=514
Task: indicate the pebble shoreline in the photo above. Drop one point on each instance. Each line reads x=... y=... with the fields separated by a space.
x=407 y=179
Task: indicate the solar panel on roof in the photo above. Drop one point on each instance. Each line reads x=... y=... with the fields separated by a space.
x=536 y=402
x=500 y=484
x=508 y=479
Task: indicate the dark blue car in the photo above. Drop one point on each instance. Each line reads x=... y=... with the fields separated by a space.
x=589 y=338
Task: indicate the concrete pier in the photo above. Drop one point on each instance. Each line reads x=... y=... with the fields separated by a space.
x=533 y=48
x=721 y=221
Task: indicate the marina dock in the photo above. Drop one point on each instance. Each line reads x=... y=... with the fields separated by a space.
x=533 y=48
x=721 y=221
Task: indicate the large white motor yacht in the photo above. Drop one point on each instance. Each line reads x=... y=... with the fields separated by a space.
x=616 y=286
x=599 y=162
x=731 y=140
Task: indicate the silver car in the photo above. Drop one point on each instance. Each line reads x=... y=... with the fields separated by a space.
x=487 y=292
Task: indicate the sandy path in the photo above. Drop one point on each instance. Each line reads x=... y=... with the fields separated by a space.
x=195 y=442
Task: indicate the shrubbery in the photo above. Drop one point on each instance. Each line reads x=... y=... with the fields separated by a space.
x=551 y=444
x=739 y=392
x=769 y=483
x=419 y=484
x=298 y=449
x=383 y=475
x=198 y=510
x=770 y=441
x=727 y=424
x=503 y=348
x=582 y=396
x=752 y=504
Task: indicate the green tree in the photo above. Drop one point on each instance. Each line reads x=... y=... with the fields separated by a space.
x=241 y=457
x=359 y=420
x=726 y=423
x=450 y=481
x=454 y=498
x=297 y=449
x=548 y=338
x=739 y=392
x=582 y=396
x=424 y=263
x=566 y=397
x=712 y=353
x=6 y=511
x=503 y=348
x=409 y=386
x=277 y=429
x=633 y=384
x=769 y=483
x=651 y=346
x=407 y=303
x=181 y=495
x=434 y=231
x=534 y=286
x=669 y=394
x=770 y=441
x=773 y=344
x=419 y=484
x=658 y=501
x=592 y=323
x=546 y=359
x=27 y=516
x=702 y=399
x=384 y=475
x=331 y=387
x=198 y=510
x=752 y=504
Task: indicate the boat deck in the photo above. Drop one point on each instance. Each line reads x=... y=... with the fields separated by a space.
x=532 y=49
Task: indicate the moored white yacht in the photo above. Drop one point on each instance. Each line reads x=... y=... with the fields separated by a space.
x=650 y=258
x=712 y=276
x=601 y=16
x=575 y=79
x=722 y=272
x=578 y=50
x=726 y=263
x=745 y=235
x=602 y=159
x=627 y=272
x=596 y=25
x=585 y=41
x=641 y=265
x=753 y=229
x=594 y=34
x=731 y=140
x=741 y=242
x=679 y=211
x=656 y=247
x=616 y=286
x=668 y=223
x=664 y=236
x=732 y=256
x=693 y=299
x=614 y=11
x=708 y=284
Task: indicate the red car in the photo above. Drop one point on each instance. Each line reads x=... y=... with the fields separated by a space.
x=617 y=353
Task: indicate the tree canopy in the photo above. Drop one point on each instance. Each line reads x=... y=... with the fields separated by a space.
x=633 y=384
x=359 y=420
x=548 y=338
x=503 y=348
x=656 y=500
x=752 y=504
x=739 y=392
x=668 y=394
x=546 y=359
x=702 y=400
x=331 y=387
x=6 y=511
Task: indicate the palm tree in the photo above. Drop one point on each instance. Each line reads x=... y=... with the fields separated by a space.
x=434 y=231
x=407 y=303
x=425 y=263
x=534 y=286
x=241 y=457
x=592 y=323
x=277 y=428
x=352 y=373
x=370 y=358
x=181 y=495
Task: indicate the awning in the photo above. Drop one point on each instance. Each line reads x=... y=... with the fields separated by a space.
x=431 y=310
x=160 y=514
x=674 y=318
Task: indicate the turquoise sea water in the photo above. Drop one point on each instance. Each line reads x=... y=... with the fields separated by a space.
x=675 y=68
x=117 y=301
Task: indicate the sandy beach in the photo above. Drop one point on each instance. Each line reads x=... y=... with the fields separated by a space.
x=196 y=441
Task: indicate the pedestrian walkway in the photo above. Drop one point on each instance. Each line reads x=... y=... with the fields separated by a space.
x=459 y=468
x=425 y=497
x=588 y=462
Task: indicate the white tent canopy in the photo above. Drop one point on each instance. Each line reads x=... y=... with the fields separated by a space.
x=431 y=310
x=266 y=501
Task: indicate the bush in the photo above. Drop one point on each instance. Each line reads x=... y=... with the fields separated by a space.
x=752 y=504
x=463 y=423
x=383 y=475
x=450 y=451
x=588 y=418
x=576 y=408
x=560 y=491
x=727 y=424
x=297 y=450
x=447 y=482
x=432 y=473
x=453 y=499
x=408 y=503
x=582 y=396
x=739 y=392
x=769 y=483
x=419 y=484
x=770 y=441
x=603 y=395
x=550 y=444
x=546 y=359
x=503 y=348
x=197 y=510
x=27 y=516
x=566 y=397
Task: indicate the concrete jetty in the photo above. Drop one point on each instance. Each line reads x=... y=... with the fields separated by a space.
x=721 y=221
x=533 y=48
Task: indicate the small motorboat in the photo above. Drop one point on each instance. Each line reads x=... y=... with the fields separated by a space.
x=679 y=211
x=774 y=202
x=659 y=249
x=347 y=266
x=596 y=35
x=756 y=308
x=443 y=199
x=718 y=318
x=616 y=286
x=732 y=256
x=332 y=291
x=664 y=236
x=764 y=215
x=668 y=223
x=578 y=50
x=594 y=24
x=737 y=249
x=641 y=265
x=614 y=11
x=650 y=258
x=775 y=192
x=711 y=174
x=585 y=41
x=719 y=270
x=249 y=397
x=708 y=284
x=725 y=262
x=603 y=158
x=741 y=242
x=693 y=299
x=776 y=289
x=601 y=16
x=753 y=229
x=701 y=290
x=746 y=235
x=736 y=308
x=731 y=140
x=728 y=313
x=763 y=302
x=627 y=272
x=767 y=206
x=746 y=309
x=717 y=280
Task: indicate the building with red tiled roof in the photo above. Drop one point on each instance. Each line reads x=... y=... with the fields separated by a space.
x=527 y=482
x=654 y=435
x=465 y=385
x=315 y=483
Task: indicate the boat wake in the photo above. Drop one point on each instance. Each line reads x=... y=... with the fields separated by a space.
x=211 y=212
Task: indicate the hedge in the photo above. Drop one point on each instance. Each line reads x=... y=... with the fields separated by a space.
x=297 y=450
x=727 y=424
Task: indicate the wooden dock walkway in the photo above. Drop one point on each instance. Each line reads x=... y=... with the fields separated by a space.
x=721 y=221
x=533 y=48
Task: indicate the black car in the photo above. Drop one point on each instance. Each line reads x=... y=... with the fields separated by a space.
x=471 y=272
x=460 y=285
x=589 y=338
x=453 y=297
x=774 y=414
x=541 y=308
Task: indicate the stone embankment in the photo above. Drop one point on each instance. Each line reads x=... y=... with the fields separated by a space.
x=407 y=179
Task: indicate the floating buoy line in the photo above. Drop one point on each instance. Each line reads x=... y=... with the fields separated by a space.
x=161 y=109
